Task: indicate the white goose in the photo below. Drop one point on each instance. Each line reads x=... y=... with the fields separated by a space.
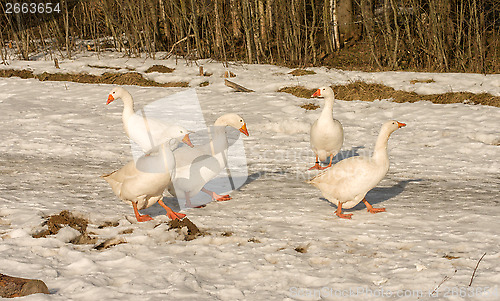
x=198 y=165
x=327 y=134
x=142 y=183
x=146 y=132
x=347 y=182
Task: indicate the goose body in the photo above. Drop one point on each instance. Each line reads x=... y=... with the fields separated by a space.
x=347 y=182
x=142 y=183
x=327 y=133
x=134 y=184
x=198 y=165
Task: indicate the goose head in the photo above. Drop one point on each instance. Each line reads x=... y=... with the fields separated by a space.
x=180 y=134
x=325 y=92
x=233 y=120
x=117 y=93
x=390 y=126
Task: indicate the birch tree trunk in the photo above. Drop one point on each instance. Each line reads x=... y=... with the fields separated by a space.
x=334 y=20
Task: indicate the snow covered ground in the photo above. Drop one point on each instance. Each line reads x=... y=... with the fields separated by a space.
x=441 y=192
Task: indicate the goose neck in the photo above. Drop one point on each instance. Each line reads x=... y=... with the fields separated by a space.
x=128 y=106
x=328 y=108
x=380 y=152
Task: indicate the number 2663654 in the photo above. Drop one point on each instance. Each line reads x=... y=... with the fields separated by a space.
x=32 y=8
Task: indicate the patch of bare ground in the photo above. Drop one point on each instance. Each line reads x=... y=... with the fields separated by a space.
x=192 y=229
x=127 y=78
x=370 y=92
x=160 y=69
x=65 y=218
x=309 y=106
x=301 y=72
x=109 y=67
x=422 y=81
x=19 y=73
x=56 y=222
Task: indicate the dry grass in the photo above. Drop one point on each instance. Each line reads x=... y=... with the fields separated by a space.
x=300 y=72
x=19 y=73
x=103 y=67
x=309 y=106
x=160 y=69
x=298 y=91
x=128 y=78
x=422 y=81
x=371 y=92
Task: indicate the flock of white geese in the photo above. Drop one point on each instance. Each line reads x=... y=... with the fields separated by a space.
x=171 y=162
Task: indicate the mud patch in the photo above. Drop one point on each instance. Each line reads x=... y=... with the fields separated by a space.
x=160 y=69
x=63 y=219
x=192 y=229
x=186 y=229
x=108 y=224
x=301 y=72
x=422 y=81
x=309 y=106
x=301 y=249
x=110 y=243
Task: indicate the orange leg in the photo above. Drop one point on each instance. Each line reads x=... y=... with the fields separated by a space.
x=329 y=165
x=316 y=166
x=170 y=213
x=140 y=218
x=339 y=212
x=215 y=196
x=371 y=209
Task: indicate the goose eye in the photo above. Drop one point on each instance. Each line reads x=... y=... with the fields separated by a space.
x=241 y=120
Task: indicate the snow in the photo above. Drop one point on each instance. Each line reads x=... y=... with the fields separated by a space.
x=441 y=193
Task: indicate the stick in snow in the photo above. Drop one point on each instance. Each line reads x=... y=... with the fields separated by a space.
x=474 y=273
x=446 y=278
x=236 y=87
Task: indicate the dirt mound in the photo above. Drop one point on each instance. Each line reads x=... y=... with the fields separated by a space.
x=301 y=72
x=160 y=69
x=66 y=218
x=193 y=230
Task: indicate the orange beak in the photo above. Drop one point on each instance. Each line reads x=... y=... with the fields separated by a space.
x=244 y=129
x=110 y=99
x=400 y=125
x=187 y=140
x=317 y=93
